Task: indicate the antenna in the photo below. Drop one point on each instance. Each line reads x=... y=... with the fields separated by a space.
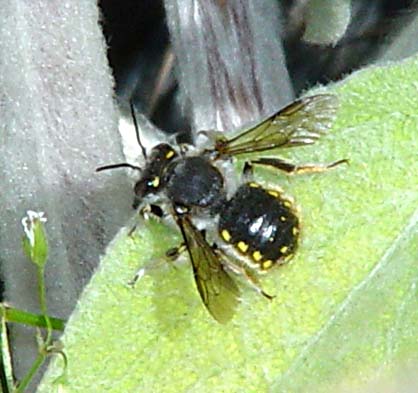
x=131 y=105
x=121 y=165
x=125 y=164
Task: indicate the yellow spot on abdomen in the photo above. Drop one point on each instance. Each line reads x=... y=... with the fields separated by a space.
x=274 y=193
x=267 y=264
x=257 y=256
x=284 y=249
x=226 y=235
x=242 y=246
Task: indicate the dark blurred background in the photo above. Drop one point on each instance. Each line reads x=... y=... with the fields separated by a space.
x=139 y=47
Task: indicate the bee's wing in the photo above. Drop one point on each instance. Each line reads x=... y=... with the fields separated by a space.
x=300 y=123
x=218 y=290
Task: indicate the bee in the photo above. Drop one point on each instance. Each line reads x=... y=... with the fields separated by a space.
x=253 y=228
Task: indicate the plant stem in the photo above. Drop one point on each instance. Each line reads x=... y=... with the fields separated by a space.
x=43 y=349
x=11 y=314
x=28 y=377
x=42 y=302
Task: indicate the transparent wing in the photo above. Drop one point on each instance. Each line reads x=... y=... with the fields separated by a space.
x=219 y=292
x=300 y=123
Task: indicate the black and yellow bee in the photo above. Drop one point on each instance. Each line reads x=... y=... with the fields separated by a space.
x=252 y=228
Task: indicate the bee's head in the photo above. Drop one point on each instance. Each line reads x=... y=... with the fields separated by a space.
x=153 y=176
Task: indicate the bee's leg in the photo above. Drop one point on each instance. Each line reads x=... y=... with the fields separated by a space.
x=250 y=278
x=152 y=211
x=173 y=253
x=237 y=268
x=170 y=256
x=144 y=270
x=291 y=169
x=147 y=212
x=248 y=171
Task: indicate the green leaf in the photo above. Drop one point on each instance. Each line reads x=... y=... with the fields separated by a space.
x=345 y=310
